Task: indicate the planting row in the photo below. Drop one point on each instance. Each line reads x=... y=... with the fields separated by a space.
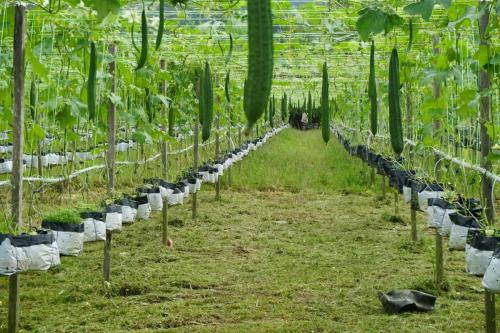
x=65 y=232
x=461 y=220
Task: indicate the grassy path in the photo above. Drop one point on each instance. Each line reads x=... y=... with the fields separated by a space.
x=298 y=245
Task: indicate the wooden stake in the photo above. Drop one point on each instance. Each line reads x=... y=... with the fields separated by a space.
x=195 y=164
x=164 y=230
x=106 y=267
x=217 y=153
x=489 y=310
x=111 y=124
x=164 y=147
x=229 y=176
x=486 y=182
x=384 y=191
x=414 y=208
x=439 y=261
x=17 y=156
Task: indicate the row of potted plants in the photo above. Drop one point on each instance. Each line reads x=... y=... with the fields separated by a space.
x=459 y=219
x=65 y=231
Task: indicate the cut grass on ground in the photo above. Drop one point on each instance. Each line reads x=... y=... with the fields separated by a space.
x=297 y=246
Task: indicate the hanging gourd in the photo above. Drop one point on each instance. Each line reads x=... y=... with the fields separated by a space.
x=143 y=58
x=395 y=121
x=260 y=59
x=325 y=108
x=372 y=92
x=91 y=81
x=206 y=103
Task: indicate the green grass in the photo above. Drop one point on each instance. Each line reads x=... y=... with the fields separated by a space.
x=300 y=161
x=303 y=247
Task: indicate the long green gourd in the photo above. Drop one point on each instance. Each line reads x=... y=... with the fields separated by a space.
x=410 y=38
x=266 y=112
x=284 y=107
x=201 y=109
x=395 y=122
x=171 y=121
x=272 y=111
x=260 y=59
x=149 y=109
x=161 y=25
x=143 y=58
x=325 y=107
x=208 y=103
x=372 y=92
x=91 y=81
x=310 y=108
x=33 y=99
x=226 y=86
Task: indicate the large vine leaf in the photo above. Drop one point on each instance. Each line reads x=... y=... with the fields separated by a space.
x=424 y=8
x=374 y=20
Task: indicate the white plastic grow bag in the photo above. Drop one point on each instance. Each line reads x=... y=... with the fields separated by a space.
x=192 y=188
x=407 y=194
x=8 y=259
x=69 y=237
x=220 y=169
x=95 y=230
x=491 y=278
x=84 y=156
x=143 y=208
x=128 y=214
x=113 y=218
x=122 y=146
x=176 y=199
x=446 y=225
x=155 y=201
x=458 y=237
x=6 y=167
x=28 y=255
x=424 y=196
x=476 y=261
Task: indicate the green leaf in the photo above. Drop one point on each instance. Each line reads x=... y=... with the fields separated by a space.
x=423 y=8
x=65 y=118
x=482 y=55
x=372 y=20
x=38 y=68
x=37 y=132
x=103 y=7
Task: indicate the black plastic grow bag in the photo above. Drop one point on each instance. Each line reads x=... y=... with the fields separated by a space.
x=67 y=227
x=398 y=301
x=25 y=240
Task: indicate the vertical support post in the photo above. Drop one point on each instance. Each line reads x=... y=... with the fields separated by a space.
x=195 y=164
x=106 y=267
x=217 y=153
x=164 y=148
x=17 y=156
x=164 y=230
x=229 y=176
x=487 y=183
x=439 y=260
x=489 y=307
x=111 y=123
x=384 y=190
x=239 y=145
x=437 y=126
x=414 y=208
